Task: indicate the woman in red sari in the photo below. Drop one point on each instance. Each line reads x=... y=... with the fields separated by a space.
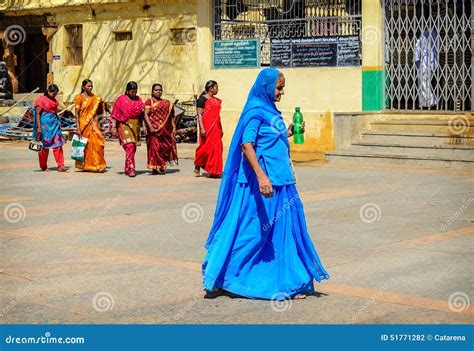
x=161 y=146
x=209 y=152
x=125 y=118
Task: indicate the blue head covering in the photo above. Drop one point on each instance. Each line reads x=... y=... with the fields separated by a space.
x=260 y=105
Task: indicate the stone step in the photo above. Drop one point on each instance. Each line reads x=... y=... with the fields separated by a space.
x=418 y=139
x=428 y=121
x=419 y=161
x=448 y=153
x=427 y=128
x=459 y=125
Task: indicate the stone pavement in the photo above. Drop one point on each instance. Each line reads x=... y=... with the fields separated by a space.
x=104 y=248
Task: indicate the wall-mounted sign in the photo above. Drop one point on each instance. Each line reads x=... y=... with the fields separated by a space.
x=236 y=53
x=315 y=52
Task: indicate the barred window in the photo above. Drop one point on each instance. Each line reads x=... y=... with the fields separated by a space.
x=123 y=36
x=269 y=20
x=73 y=45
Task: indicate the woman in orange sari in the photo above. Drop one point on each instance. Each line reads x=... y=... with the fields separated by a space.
x=161 y=146
x=88 y=108
x=209 y=152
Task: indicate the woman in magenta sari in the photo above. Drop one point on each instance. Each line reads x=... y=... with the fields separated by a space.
x=125 y=120
x=160 y=142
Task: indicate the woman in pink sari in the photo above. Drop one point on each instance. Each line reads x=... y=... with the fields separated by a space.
x=125 y=119
x=160 y=142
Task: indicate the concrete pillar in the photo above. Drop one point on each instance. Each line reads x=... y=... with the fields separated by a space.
x=372 y=55
x=49 y=33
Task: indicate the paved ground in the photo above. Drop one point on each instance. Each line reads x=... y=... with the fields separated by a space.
x=104 y=248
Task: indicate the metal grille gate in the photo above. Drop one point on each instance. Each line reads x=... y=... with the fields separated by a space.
x=428 y=55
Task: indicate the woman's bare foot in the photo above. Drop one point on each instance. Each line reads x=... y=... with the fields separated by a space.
x=197 y=171
x=299 y=297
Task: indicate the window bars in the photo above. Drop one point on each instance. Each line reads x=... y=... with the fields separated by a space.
x=284 y=19
x=428 y=55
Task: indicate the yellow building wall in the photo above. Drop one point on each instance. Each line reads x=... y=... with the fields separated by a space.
x=148 y=58
x=372 y=34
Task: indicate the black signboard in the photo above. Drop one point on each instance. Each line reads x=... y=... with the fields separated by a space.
x=315 y=52
x=280 y=53
x=321 y=52
x=348 y=51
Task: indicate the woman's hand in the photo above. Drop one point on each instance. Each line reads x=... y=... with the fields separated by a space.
x=265 y=186
x=114 y=131
x=203 y=132
x=152 y=129
x=290 y=130
x=38 y=131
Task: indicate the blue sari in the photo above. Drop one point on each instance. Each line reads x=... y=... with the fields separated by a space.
x=51 y=135
x=259 y=247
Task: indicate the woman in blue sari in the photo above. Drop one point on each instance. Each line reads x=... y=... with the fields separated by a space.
x=259 y=246
x=47 y=128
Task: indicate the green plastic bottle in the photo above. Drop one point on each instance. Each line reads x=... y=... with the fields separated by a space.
x=298 y=136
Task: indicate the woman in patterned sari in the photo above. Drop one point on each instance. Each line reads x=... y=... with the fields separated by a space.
x=125 y=120
x=160 y=142
x=47 y=128
x=88 y=108
x=209 y=152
